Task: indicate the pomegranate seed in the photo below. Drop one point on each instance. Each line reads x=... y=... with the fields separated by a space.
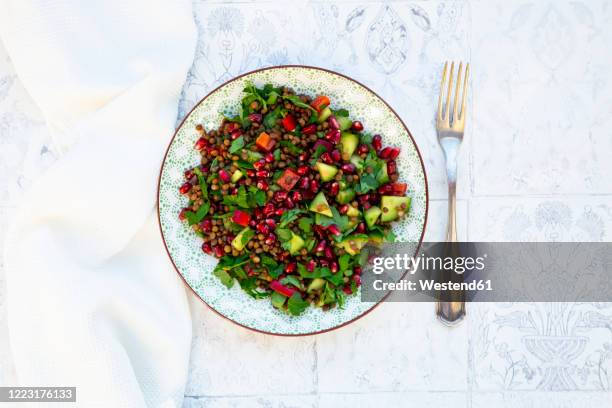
x=391 y=167
x=333 y=136
x=252 y=223
x=304 y=183
x=334 y=188
x=395 y=151
x=289 y=202
x=236 y=134
x=218 y=251
x=326 y=157
x=182 y=214
x=363 y=149
x=347 y=289
x=290 y=268
x=357 y=126
x=255 y=117
x=262 y=173
x=270 y=222
x=385 y=153
x=268 y=209
x=199 y=145
x=230 y=127
x=386 y=189
x=324 y=262
x=262 y=185
x=348 y=167
x=308 y=195
x=325 y=144
x=185 y=188
x=250 y=173
x=270 y=239
x=188 y=174
x=206 y=225
x=321 y=246
x=357 y=270
x=224 y=176
x=314 y=186
x=343 y=209
x=302 y=170
x=335 y=155
x=206 y=248
x=333 y=228
x=329 y=254
x=309 y=130
x=333 y=122
x=234 y=190
x=357 y=279
x=377 y=142
x=311 y=265
x=269 y=158
x=279 y=212
x=258 y=165
x=303 y=157
x=297 y=196
x=360 y=227
x=203 y=169
x=366 y=206
x=257 y=212
x=364 y=198
x=333 y=267
x=263 y=228
x=280 y=196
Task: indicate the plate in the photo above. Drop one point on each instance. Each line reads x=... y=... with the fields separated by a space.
x=184 y=247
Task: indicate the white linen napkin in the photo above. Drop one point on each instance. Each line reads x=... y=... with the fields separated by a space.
x=93 y=301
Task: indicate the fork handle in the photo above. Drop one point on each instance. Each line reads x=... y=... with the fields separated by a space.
x=452 y=312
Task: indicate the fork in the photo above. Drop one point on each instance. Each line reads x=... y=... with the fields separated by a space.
x=450 y=126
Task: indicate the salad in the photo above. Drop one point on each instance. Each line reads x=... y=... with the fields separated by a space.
x=288 y=195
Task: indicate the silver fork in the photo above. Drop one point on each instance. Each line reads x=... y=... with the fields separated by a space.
x=450 y=126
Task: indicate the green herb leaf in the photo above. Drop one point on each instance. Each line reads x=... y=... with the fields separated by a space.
x=293 y=149
x=225 y=278
x=341 y=112
x=294 y=99
x=196 y=217
x=283 y=234
x=305 y=224
x=290 y=216
x=296 y=305
x=293 y=280
x=249 y=285
x=270 y=119
x=237 y=145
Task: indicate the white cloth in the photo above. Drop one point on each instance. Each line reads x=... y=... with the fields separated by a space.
x=93 y=301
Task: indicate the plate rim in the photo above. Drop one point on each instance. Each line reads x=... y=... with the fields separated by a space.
x=275 y=67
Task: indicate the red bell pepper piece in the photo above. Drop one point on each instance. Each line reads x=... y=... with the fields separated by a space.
x=289 y=123
x=288 y=179
x=241 y=218
x=320 y=103
x=282 y=289
x=265 y=142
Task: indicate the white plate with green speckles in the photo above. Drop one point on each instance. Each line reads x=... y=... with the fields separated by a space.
x=184 y=246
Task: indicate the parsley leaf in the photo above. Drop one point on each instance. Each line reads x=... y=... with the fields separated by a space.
x=289 y=216
x=237 y=145
x=305 y=224
x=270 y=119
x=293 y=149
x=195 y=217
x=296 y=305
x=293 y=280
x=294 y=99
x=240 y=199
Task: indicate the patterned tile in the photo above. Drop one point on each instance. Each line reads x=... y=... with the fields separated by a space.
x=396 y=48
x=542 y=399
x=293 y=401
x=229 y=360
x=396 y=399
x=396 y=347
x=544 y=104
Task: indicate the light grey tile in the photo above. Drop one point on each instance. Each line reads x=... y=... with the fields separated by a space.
x=542 y=399
x=542 y=91
x=292 y=401
x=396 y=347
x=438 y=399
x=437 y=219
x=229 y=360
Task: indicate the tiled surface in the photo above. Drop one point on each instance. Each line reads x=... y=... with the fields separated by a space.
x=535 y=165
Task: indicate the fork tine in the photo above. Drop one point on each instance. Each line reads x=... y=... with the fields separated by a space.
x=465 y=89
x=457 y=89
x=442 y=83
x=448 y=94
